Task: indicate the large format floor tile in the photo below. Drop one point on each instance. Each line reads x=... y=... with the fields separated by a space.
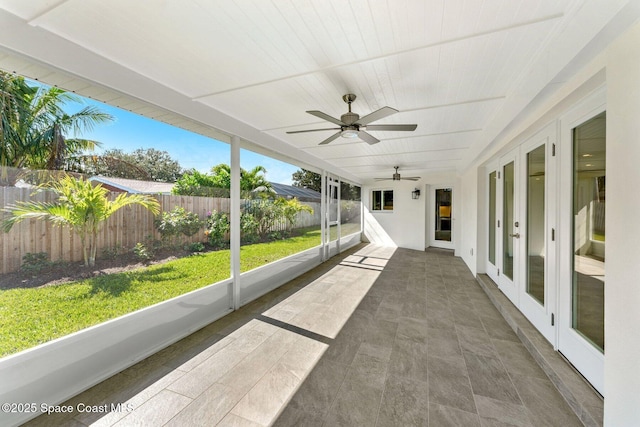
x=374 y=337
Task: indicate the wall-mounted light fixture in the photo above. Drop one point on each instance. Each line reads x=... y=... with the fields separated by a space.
x=415 y=194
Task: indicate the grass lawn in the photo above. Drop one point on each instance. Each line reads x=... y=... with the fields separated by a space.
x=29 y=317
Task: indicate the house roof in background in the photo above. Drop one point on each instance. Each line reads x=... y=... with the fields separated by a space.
x=291 y=191
x=135 y=186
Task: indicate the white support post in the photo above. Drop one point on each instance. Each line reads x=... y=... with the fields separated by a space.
x=235 y=219
x=323 y=216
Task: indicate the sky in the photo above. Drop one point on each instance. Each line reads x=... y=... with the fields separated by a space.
x=130 y=131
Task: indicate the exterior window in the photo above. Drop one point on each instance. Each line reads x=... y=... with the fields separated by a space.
x=382 y=200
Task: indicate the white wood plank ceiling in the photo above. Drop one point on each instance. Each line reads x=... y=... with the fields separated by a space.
x=462 y=70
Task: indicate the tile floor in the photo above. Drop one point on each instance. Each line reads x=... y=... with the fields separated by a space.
x=374 y=337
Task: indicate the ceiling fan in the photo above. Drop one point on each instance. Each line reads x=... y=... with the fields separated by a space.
x=353 y=126
x=396 y=177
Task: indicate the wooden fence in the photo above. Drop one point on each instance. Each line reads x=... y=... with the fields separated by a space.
x=125 y=228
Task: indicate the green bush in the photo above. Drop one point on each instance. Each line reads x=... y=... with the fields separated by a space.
x=142 y=252
x=195 y=247
x=248 y=229
x=113 y=252
x=35 y=262
x=217 y=227
x=266 y=213
x=172 y=224
x=291 y=208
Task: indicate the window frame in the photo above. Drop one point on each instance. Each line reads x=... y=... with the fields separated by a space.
x=382 y=192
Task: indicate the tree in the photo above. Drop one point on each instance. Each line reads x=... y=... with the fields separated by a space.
x=307 y=179
x=194 y=183
x=291 y=208
x=159 y=165
x=313 y=181
x=35 y=126
x=14 y=108
x=81 y=206
x=253 y=180
x=106 y=165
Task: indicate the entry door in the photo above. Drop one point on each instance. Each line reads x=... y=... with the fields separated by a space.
x=509 y=225
x=442 y=217
x=536 y=266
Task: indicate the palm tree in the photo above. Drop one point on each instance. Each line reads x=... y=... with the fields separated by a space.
x=33 y=125
x=251 y=181
x=48 y=124
x=14 y=108
x=254 y=179
x=81 y=206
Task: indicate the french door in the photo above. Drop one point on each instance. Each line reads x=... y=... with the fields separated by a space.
x=582 y=252
x=491 y=266
x=509 y=225
x=522 y=230
x=538 y=215
x=546 y=233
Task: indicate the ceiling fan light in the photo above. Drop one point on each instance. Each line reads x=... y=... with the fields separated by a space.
x=349 y=133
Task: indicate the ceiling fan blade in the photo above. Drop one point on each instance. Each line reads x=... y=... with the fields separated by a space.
x=411 y=178
x=312 y=130
x=376 y=115
x=331 y=138
x=367 y=137
x=326 y=117
x=408 y=128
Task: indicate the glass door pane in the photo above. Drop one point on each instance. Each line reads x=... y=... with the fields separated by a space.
x=333 y=216
x=535 y=223
x=492 y=217
x=508 y=206
x=589 y=191
x=443 y=214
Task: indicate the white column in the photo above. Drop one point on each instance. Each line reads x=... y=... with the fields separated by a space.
x=323 y=216
x=622 y=292
x=235 y=219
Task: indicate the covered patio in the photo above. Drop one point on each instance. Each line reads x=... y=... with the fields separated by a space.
x=375 y=336
x=395 y=331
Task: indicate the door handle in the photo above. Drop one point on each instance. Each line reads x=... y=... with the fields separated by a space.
x=516 y=235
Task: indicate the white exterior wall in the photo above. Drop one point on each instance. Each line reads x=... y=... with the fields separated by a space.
x=622 y=290
x=468 y=219
x=405 y=225
x=620 y=62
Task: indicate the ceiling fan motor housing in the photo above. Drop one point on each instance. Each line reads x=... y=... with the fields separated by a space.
x=396 y=176
x=349 y=118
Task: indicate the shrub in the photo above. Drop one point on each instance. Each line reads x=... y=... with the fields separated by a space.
x=349 y=211
x=217 y=227
x=142 y=252
x=291 y=208
x=172 y=224
x=248 y=228
x=113 y=252
x=35 y=262
x=195 y=247
x=266 y=213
